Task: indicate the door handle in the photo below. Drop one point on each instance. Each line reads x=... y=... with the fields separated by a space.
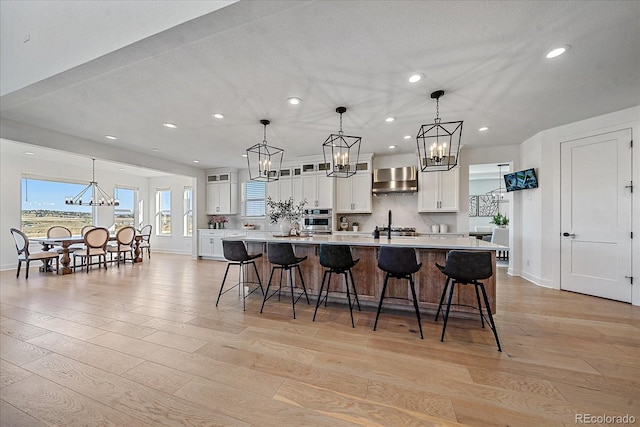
x=573 y=235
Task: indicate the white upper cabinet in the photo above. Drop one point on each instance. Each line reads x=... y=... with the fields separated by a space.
x=317 y=187
x=353 y=194
x=222 y=194
x=439 y=191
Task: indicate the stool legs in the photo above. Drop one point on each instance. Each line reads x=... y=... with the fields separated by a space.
x=487 y=306
x=293 y=298
x=384 y=289
x=415 y=305
x=326 y=297
x=241 y=282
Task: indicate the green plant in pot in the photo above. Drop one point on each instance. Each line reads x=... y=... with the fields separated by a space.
x=500 y=220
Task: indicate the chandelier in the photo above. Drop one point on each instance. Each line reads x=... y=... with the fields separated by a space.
x=264 y=161
x=439 y=143
x=499 y=194
x=98 y=197
x=341 y=152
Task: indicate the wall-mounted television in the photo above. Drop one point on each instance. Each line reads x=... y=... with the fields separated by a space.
x=521 y=180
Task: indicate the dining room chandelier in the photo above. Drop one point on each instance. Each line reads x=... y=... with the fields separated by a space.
x=97 y=196
x=264 y=161
x=341 y=152
x=438 y=142
x=499 y=194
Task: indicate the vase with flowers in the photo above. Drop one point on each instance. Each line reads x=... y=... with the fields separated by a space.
x=220 y=220
x=285 y=212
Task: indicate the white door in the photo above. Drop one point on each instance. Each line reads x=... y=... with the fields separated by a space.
x=225 y=198
x=449 y=187
x=325 y=191
x=344 y=191
x=595 y=215
x=362 y=192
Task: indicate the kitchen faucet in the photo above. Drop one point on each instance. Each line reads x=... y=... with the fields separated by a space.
x=389 y=228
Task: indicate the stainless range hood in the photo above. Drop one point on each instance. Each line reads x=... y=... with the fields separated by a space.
x=395 y=180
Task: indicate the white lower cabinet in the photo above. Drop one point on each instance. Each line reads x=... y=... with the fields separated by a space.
x=210 y=242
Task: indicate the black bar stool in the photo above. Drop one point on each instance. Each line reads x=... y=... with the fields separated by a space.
x=398 y=263
x=281 y=254
x=337 y=259
x=236 y=253
x=467 y=267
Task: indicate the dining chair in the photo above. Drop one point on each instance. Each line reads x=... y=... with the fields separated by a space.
x=24 y=255
x=145 y=243
x=124 y=244
x=58 y=231
x=95 y=241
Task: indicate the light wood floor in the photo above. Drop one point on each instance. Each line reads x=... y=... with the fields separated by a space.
x=144 y=345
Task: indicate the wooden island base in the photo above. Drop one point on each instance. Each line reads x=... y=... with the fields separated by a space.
x=369 y=278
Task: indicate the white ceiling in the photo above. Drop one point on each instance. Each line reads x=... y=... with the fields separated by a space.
x=246 y=59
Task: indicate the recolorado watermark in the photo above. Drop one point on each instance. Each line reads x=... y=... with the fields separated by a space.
x=604 y=419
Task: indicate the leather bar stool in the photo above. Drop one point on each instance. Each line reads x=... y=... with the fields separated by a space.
x=337 y=259
x=398 y=263
x=467 y=267
x=284 y=259
x=236 y=253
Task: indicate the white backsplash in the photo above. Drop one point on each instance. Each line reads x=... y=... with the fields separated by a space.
x=404 y=208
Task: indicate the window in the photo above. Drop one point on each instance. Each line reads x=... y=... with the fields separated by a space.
x=43 y=206
x=124 y=215
x=254 y=203
x=187 y=227
x=140 y=214
x=163 y=212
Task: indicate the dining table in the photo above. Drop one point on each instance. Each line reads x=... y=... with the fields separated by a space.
x=66 y=242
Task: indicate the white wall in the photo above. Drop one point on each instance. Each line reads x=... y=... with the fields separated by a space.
x=541 y=230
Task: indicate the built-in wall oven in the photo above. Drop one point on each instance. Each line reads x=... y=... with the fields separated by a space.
x=317 y=221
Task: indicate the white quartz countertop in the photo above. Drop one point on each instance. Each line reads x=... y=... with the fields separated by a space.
x=421 y=242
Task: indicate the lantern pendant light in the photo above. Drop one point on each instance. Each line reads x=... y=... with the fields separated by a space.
x=341 y=152
x=439 y=143
x=264 y=161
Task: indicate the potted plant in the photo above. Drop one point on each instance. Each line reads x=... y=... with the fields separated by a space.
x=284 y=212
x=500 y=220
x=355 y=225
x=220 y=220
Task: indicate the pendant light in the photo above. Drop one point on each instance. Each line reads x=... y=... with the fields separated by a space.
x=499 y=194
x=98 y=196
x=341 y=152
x=439 y=143
x=264 y=161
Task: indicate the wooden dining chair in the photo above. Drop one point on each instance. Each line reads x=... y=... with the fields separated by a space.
x=24 y=255
x=58 y=231
x=95 y=241
x=124 y=244
x=145 y=243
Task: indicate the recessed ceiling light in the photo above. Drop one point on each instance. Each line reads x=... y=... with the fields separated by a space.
x=557 y=51
x=28 y=153
x=155 y=149
x=218 y=116
x=121 y=169
x=170 y=125
x=196 y=161
x=389 y=119
x=294 y=100
x=392 y=147
x=483 y=129
x=407 y=137
x=415 y=78
x=111 y=137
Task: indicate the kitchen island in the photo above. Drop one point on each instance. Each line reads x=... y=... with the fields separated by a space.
x=369 y=278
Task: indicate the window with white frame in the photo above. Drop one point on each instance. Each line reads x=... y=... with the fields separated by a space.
x=187 y=222
x=43 y=205
x=255 y=198
x=124 y=215
x=163 y=212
